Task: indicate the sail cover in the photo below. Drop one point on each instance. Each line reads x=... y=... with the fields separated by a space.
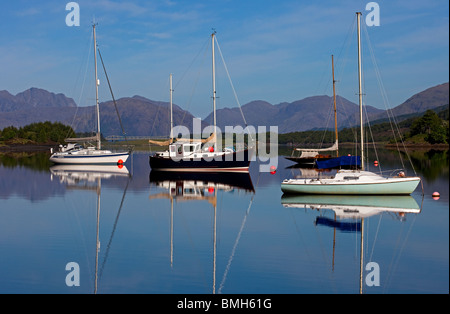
x=339 y=162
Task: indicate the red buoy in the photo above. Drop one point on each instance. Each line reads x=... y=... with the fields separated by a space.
x=273 y=169
x=211 y=149
x=436 y=195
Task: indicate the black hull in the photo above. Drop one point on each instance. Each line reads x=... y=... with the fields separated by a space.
x=237 y=162
x=241 y=181
x=307 y=162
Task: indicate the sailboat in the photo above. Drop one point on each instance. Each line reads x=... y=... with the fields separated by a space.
x=358 y=181
x=75 y=153
x=316 y=157
x=199 y=155
x=309 y=156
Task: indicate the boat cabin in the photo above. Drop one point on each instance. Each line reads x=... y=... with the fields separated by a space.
x=184 y=149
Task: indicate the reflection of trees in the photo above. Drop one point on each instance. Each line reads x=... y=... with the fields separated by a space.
x=32 y=160
x=432 y=164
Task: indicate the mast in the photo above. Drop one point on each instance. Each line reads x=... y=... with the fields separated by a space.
x=171 y=114
x=358 y=15
x=214 y=87
x=334 y=101
x=96 y=89
x=97 y=244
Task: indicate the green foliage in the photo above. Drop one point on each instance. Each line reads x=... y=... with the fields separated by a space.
x=432 y=128
x=431 y=125
x=40 y=132
x=9 y=133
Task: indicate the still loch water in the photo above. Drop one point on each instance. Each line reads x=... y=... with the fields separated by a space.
x=239 y=235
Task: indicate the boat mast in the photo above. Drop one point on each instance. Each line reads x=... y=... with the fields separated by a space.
x=358 y=15
x=334 y=101
x=171 y=115
x=96 y=90
x=214 y=86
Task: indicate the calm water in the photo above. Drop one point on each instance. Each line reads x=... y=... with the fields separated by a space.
x=160 y=234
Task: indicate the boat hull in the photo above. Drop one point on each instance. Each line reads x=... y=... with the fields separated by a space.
x=393 y=186
x=234 y=162
x=113 y=158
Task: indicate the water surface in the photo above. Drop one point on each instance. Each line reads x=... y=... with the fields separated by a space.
x=215 y=234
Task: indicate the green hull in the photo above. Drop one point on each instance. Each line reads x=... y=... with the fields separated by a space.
x=400 y=187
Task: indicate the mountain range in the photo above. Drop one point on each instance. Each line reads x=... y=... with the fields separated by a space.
x=144 y=117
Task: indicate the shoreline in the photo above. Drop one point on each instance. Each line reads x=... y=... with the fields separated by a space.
x=46 y=147
x=28 y=148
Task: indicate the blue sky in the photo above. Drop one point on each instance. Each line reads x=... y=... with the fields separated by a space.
x=277 y=51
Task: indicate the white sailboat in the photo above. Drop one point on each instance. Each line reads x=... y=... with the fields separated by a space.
x=356 y=182
x=74 y=153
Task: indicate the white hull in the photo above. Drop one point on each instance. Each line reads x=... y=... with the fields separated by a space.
x=90 y=157
x=352 y=206
x=351 y=182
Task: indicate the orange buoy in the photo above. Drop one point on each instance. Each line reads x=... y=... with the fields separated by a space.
x=120 y=161
x=375 y=163
x=211 y=190
x=211 y=149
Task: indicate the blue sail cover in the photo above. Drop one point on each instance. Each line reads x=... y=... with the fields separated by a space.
x=340 y=225
x=339 y=162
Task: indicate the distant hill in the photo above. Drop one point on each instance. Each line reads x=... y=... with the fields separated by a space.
x=33 y=98
x=140 y=116
x=428 y=99
x=145 y=117
x=314 y=112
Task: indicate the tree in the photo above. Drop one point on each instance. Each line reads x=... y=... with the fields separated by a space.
x=9 y=132
x=431 y=125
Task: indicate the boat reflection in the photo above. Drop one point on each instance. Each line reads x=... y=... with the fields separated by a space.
x=354 y=207
x=89 y=178
x=197 y=182
x=350 y=212
x=73 y=174
x=182 y=186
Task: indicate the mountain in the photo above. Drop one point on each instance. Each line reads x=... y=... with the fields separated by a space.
x=314 y=112
x=428 y=99
x=140 y=116
x=144 y=117
x=33 y=98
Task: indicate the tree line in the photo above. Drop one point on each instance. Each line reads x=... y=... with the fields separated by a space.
x=39 y=132
x=431 y=127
